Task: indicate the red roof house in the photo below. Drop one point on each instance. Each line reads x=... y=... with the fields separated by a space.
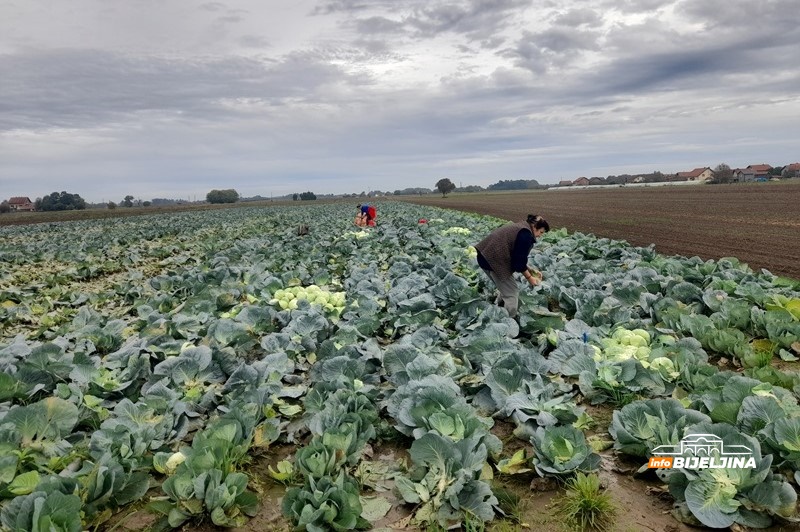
x=791 y=170
x=698 y=174
x=762 y=169
x=756 y=172
x=21 y=203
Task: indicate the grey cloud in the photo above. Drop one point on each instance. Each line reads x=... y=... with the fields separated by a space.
x=347 y=6
x=680 y=69
x=651 y=35
x=565 y=41
x=213 y=6
x=492 y=43
x=478 y=19
x=527 y=55
x=254 y=41
x=230 y=19
x=656 y=57
x=770 y=16
x=378 y=25
x=374 y=47
x=465 y=49
x=638 y=6
x=82 y=88
x=579 y=17
x=538 y=52
x=728 y=74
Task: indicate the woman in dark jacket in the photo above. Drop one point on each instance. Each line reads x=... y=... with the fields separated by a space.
x=505 y=251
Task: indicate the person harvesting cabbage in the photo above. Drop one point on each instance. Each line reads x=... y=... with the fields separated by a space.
x=504 y=252
x=366 y=215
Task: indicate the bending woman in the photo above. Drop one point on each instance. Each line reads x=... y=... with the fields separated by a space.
x=505 y=251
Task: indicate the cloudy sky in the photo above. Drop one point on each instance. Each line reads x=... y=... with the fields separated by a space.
x=171 y=98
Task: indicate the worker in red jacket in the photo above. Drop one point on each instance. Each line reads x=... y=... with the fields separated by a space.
x=366 y=215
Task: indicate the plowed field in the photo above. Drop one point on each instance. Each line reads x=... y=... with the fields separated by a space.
x=757 y=223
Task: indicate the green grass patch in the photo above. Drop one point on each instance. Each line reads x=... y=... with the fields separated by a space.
x=585 y=506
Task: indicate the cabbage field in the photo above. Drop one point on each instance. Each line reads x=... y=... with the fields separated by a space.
x=148 y=362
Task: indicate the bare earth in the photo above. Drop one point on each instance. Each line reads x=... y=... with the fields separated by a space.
x=757 y=223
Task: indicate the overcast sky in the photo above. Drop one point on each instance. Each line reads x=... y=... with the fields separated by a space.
x=172 y=98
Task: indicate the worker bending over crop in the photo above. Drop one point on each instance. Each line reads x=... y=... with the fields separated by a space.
x=505 y=251
x=366 y=215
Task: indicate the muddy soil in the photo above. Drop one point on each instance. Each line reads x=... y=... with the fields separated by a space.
x=643 y=503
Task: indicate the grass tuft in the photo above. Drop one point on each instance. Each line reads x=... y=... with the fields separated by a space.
x=586 y=506
x=509 y=502
x=473 y=524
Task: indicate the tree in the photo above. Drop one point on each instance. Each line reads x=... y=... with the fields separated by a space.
x=295 y=196
x=127 y=202
x=515 y=184
x=228 y=195
x=63 y=201
x=5 y=207
x=111 y=205
x=412 y=191
x=305 y=196
x=723 y=173
x=445 y=185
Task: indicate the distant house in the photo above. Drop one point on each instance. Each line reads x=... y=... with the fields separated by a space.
x=597 y=181
x=638 y=179
x=565 y=183
x=791 y=170
x=581 y=182
x=698 y=174
x=21 y=203
x=754 y=172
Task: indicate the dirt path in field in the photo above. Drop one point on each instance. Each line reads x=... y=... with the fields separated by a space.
x=757 y=223
x=643 y=505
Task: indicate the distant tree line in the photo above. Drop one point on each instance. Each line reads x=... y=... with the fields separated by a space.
x=470 y=188
x=515 y=184
x=165 y=201
x=63 y=201
x=304 y=196
x=414 y=191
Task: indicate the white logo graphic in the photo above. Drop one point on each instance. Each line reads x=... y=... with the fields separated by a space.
x=702 y=451
x=699 y=444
